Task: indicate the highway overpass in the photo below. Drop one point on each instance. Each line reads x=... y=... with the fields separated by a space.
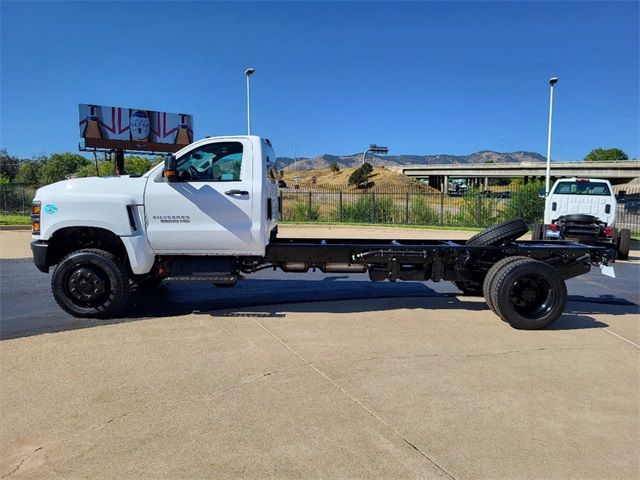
x=616 y=172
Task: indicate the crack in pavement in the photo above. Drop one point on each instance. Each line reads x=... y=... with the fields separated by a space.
x=462 y=355
x=66 y=439
x=141 y=409
x=356 y=401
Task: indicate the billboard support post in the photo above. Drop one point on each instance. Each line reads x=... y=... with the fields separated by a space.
x=119 y=162
x=95 y=159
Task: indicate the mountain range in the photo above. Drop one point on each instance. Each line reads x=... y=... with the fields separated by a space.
x=349 y=161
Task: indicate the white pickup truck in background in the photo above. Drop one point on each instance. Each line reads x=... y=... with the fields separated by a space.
x=210 y=213
x=583 y=209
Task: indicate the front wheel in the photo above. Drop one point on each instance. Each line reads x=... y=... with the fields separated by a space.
x=90 y=283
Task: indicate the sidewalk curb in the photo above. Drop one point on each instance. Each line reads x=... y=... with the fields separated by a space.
x=15 y=227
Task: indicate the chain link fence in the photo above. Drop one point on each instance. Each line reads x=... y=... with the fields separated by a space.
x=17 y=198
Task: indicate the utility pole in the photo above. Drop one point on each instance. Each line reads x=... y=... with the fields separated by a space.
x=552 y=82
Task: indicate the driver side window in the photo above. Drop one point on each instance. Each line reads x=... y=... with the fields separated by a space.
x=216 y=162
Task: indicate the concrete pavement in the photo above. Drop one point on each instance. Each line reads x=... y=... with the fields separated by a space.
x=418 y=386
x=406 y=389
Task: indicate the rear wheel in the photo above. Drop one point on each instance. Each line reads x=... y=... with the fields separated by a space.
x=528 y=294
x=90 y=283
x=488 y=280
x=499 y=234
x=623 y=243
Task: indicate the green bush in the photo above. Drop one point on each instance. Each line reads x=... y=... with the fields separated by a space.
x=372 y=208
x=421 y=212
x=476 y=210
x=300 y=212
x=526 y=203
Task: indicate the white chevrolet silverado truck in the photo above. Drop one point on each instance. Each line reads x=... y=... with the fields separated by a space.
x=583 y=209
x=210 y=213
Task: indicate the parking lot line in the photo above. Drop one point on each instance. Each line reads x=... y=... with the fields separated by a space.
x=621 y=337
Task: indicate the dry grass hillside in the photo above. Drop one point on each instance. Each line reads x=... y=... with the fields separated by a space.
x=384 y=180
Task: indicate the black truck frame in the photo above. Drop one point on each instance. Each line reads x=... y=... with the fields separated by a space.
x=523 y=282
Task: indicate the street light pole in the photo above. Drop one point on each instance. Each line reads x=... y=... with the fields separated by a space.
x=364 y=155
x=552 y=82
x=248 y=72
x=375 y=149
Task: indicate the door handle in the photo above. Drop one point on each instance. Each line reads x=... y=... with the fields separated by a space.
x=236 y=192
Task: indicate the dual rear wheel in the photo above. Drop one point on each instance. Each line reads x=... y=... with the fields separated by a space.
x=526 y=293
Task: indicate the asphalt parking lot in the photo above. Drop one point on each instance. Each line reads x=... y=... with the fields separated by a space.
x=318 y=376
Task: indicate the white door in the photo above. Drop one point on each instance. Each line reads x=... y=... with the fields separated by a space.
x=209 y=208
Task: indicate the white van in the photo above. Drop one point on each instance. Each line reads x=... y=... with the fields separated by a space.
x=582 y=209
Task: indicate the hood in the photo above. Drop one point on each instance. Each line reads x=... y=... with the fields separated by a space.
x=131 y=187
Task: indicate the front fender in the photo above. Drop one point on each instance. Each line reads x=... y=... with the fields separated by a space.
x=141 y=257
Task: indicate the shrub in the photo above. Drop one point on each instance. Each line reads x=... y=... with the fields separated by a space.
x=300 y=212
x=421 y=212
x=526 y=203
x=476 y=210
x=372 y=208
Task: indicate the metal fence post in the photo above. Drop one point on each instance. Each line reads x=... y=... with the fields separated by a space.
x=340 y=207
x=309 y=211
x=24 y=203
x=373 y=207
x=442 y=207
x=406 y=207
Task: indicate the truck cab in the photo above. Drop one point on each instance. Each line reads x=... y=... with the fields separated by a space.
x=222 y=201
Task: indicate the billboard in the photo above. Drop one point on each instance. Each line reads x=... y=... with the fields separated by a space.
x=134 y=129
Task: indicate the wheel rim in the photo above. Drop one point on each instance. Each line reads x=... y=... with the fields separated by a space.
x=87 y=286
x=532 y=296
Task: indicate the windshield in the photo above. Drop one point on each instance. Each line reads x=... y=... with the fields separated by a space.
x=582 y=188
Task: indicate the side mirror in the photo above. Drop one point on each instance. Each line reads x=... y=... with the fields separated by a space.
x=169 y=171
x=541 y=193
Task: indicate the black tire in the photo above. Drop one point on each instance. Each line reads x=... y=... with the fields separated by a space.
x=488 y=280
x=528 y=294
x=90 y=283
x=623 y=244
x=499 y=234
x=536 y=234
x=469 y=287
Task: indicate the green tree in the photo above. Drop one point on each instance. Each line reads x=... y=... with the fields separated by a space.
x=335 y=168
x=62 y=165
x=360 y=175
x=9 y=166
x=105 y=169
x=605 y=155
x=136 y=165
x=29 y=173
